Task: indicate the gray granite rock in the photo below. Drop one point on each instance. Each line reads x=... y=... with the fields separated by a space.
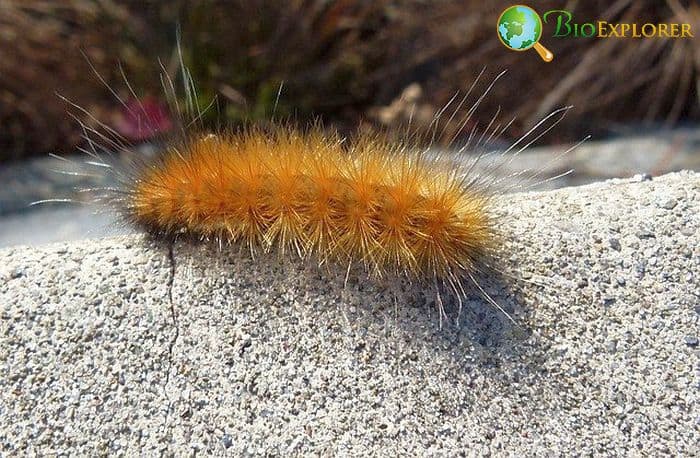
x=122 y=346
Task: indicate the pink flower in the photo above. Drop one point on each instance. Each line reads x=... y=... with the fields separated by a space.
x=143 y=119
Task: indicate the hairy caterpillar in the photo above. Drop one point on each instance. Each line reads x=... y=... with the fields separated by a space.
x=396 y=208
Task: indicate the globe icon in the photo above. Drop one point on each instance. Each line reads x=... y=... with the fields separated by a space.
x=520 y=28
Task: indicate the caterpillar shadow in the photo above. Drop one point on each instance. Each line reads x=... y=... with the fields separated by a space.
x=396 y=315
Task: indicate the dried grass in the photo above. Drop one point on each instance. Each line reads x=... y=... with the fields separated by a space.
x=341 y=60
x=42 y=43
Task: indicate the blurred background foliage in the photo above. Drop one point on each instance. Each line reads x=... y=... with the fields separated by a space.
x=344 y=61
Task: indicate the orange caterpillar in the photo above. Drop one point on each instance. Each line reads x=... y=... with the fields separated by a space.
x=390 y=207
x=381 y=204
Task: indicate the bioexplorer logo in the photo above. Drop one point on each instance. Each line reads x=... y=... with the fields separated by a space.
x=520 y=28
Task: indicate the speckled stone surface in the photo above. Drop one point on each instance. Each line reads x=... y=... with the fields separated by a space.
x=122 y=346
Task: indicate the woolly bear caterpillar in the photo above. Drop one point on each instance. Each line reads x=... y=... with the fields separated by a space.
x=392 y=207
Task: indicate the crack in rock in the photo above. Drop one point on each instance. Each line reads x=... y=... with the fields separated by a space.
x=173 y=340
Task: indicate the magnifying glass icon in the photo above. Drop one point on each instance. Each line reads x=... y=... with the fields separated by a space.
x=519 y=28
